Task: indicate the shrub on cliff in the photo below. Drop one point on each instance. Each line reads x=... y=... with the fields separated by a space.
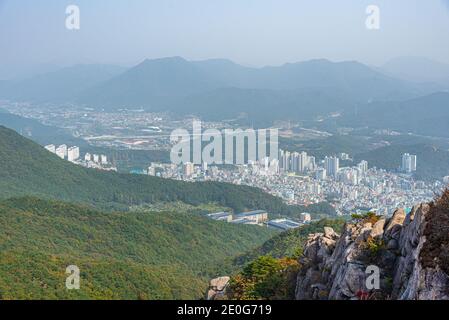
x=266 y=278
x=435 y=251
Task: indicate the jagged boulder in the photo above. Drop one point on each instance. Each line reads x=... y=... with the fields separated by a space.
x=335 y=267
x=378 y=229
x=318 y=249
x=419 y=270
x=217 y=288
x=394 y=225
x=348 y=281
x=410 y=246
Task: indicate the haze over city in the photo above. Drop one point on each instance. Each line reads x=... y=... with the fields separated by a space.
x=232 y=150
x=254 y=33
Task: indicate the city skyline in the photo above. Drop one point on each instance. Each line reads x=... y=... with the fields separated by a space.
x=232 y=150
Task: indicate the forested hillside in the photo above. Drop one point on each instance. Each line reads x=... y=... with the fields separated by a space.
x=270 y=271
x=28 y=169
x=121 y=255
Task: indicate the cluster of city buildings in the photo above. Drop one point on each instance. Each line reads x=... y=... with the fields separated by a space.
x=96 y=158
x=261 y=218
x=297 y=177
x=72 y=154
x=69 y=153
x=296 y=162
x=301 y=179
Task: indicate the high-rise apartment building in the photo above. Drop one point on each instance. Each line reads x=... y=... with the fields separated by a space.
x=188 y=169
x=61 y=151
x=408 y=163
x=320 y=174
x=363 y=167
x=51 y=148
x=73 y=153
x=332 y=165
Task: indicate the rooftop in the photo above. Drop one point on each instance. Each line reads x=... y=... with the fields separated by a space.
x=251 y=213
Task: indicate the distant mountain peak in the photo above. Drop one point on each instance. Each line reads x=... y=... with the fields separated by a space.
x=164 y=60
x=418 y=69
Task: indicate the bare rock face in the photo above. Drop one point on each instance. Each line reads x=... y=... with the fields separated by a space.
x=394 y=226
x=378 y=229
x=338 y=267
x=318 y=250
x=410 y=244
x=413 y=280
x=217 y=288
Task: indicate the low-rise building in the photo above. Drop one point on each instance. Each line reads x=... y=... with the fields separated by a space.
x=305 y=217
x=221 y=216
x=258 y=216
x=283 y=224
x=244 y=221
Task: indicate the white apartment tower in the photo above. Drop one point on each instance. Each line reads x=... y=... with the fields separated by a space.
x=61 y=151
x=51 y=148
x=73 y=153
x=408 y=163
x=188 y=169
x=320 y=174
x=332 y=165
x=363 y=167
x=285 y=161
x=295 y=162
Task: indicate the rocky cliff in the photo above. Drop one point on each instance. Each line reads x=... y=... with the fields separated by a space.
x=401 y=257
x=217 y=289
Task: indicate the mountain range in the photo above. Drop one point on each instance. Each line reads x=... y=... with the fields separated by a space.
x=54 y=213
x=418 y=69
x=61 y=85
x=426 y=115
x=217 y=88
x=220 y=90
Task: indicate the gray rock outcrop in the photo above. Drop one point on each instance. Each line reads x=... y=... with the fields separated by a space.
x=338 y=267
x=217 y=288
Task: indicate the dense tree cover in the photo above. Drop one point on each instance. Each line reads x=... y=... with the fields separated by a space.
x=28 y=169
x=121 y=255
x=133 y=254
x=266 y=278
x=289 y=243
x=269 y=272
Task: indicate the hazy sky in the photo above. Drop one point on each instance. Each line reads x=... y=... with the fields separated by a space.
x=250 y=32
